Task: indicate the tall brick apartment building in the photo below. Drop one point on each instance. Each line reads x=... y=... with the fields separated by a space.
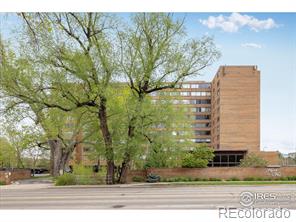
x=224 y=113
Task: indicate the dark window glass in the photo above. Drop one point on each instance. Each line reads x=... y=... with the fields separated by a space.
x=217 y=158
x=224 y=158
x=231 y=158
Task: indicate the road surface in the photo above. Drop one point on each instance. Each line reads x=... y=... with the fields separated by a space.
x=142 y=196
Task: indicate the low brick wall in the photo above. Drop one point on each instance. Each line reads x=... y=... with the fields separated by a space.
x=217 y=172
x=136 y=173
x=11 y=175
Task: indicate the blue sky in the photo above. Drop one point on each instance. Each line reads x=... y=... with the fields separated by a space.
x=256 y=40
x=267 y=40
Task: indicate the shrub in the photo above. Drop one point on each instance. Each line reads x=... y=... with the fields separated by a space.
x=190 y=161
x=199 y=157
x=233 y=179
x=284 y=178
x=249 y=179
x=82 y=170
x=164 y=180
x=291 y=177
x=2 y=183
x=252 y=160
x=189 y=179
x=215 y=179
x=178 y=179
x=65 y=179
x=138 y=179
x=84 y=175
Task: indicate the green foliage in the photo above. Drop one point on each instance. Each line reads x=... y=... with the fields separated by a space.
x=85 y=176
x=263 y=179
x=2 y=183
x=199 y=157
x=79 y=169
x=233 y=179
x=75 y=71
x=252 y=160
x=215 y=179
x=189 y=161
x=66 y=180
x=291 y=177
x=81 y=176
x=249 y=179
x=188 y=179
x=7 y=154
x=138 y=179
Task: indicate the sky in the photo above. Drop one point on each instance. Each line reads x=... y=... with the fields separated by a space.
x=267 y=40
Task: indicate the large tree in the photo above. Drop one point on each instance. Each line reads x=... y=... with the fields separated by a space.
x=156 y=55
x=20 y=87
x=73 y=58
x=68 y=62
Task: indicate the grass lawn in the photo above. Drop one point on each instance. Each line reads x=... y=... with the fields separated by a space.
x=231 y=183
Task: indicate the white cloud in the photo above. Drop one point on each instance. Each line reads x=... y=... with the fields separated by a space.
x=251 y=45
x=236 y=21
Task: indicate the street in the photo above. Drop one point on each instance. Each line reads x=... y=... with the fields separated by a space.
x=133 y=196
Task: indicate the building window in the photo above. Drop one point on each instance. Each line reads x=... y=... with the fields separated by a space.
x=205 y=85
x=201 y=133
x=202 y=140
x=200 y=93
x=185 y=86
x=184 y=101
x=184 y=93
x=200 y=101
x=194 y=86
x=174 y=93
x=201 y=125
x=195 y=93
x=226 y=159
x=202 y=117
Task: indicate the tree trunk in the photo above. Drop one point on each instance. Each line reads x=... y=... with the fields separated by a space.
x=125 y=166
x=55 y=156
x=107 y=140
x=60 y=156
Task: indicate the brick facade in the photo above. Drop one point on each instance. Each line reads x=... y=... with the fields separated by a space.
x=9 y=176
x=217 y=172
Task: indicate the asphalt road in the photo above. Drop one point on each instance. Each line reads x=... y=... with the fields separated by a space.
x=142 y=196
